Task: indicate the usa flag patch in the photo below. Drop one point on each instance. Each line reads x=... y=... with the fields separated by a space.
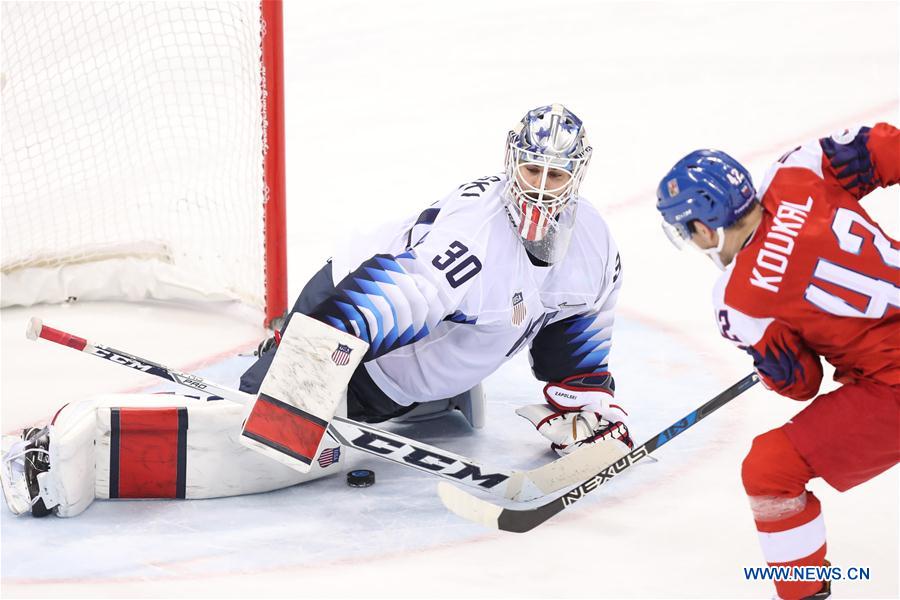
x=341 y=356
x=518 y=309
x=329 y=456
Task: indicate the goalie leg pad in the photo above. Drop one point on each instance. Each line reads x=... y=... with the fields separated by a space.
x=159 y=446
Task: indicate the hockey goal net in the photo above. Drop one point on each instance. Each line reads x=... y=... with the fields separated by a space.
x=142 y=152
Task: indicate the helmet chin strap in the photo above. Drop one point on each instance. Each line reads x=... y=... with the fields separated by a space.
x=714 y=253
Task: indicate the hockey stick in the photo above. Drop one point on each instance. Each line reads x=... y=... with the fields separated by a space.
x=519 y=486
x=490 y=515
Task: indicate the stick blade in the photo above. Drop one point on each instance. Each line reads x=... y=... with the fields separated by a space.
x=485 y=513
x=467 y=506
x=568 y=471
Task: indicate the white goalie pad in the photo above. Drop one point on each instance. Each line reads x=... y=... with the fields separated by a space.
x=12 y=475
x=305 y=384
x=160 y=446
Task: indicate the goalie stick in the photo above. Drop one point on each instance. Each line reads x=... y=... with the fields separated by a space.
x=490 y=515
x=518 y=486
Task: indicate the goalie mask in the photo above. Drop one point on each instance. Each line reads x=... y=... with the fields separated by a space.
x=546 y=157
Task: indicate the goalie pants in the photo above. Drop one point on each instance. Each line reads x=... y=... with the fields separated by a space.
x=846 y=437
x=365 y=400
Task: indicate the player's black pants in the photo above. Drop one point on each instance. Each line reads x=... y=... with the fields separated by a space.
x=365 y=400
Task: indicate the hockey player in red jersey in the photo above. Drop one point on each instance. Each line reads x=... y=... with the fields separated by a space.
x=808 y=274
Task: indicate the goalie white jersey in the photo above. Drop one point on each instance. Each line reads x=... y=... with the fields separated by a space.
x=446 y=297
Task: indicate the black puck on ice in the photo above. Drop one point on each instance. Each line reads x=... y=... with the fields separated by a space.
x=361 y=478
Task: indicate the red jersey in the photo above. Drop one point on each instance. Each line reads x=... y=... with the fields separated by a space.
x=819 y=278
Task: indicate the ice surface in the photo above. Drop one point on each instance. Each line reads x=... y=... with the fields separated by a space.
x=391 y=105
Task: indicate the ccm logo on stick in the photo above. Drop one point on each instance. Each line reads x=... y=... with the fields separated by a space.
x=424 y=459
x=116 y=358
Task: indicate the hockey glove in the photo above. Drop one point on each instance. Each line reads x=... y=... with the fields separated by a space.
x=579 y=411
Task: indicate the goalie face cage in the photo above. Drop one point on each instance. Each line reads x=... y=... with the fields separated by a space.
x=142 y=152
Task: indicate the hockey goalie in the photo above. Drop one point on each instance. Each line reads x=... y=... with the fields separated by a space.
x=404 y=323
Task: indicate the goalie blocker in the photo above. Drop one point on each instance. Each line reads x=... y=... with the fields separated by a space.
x=301 y=392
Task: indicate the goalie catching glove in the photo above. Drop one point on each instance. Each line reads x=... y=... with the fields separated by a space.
x=579 y=411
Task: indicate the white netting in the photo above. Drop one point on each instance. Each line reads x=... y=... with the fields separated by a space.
x=131 y=132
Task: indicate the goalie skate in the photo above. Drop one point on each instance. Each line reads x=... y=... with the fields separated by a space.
x=24 y=458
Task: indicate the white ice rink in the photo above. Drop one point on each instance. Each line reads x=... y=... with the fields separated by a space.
x=392 y=104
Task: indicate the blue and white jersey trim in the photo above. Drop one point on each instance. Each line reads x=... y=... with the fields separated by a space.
x=384 y=304
x=574 y=346
x=591 y=341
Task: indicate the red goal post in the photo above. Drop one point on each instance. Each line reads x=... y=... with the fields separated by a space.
x=143 y=152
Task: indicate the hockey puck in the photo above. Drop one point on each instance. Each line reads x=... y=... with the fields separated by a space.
x=361 y=478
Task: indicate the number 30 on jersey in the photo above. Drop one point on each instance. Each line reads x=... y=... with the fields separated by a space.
x=463 y=270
